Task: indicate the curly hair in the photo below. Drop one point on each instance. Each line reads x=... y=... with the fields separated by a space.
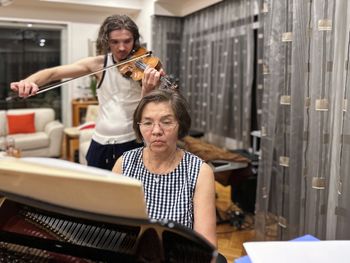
x=116 y=22
x=178 y=104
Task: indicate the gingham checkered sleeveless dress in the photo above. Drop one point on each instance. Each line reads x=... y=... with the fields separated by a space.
x=168 y=196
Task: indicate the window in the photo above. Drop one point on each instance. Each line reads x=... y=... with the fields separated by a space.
x=25 y=49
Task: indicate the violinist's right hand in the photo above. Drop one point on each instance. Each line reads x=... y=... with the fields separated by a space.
x=24 y=88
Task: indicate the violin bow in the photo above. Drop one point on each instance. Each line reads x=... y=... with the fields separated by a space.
x=57 y=84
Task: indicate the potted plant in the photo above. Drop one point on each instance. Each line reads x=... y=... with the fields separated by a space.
x=93 y=86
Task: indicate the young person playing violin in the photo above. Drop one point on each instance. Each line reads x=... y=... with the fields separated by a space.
x=118 y=96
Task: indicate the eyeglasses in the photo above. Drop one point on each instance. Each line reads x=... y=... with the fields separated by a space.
x=165 y=125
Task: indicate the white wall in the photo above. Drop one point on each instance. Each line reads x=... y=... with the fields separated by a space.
x=78 y=36
x=144 y=22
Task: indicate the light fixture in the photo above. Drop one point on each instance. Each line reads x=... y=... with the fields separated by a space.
x=42 y=42
x=5 y=2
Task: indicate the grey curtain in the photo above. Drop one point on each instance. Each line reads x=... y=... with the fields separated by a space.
x=212 y=52
x=303 y=182
x=167 y=36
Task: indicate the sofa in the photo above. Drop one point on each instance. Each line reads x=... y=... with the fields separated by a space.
x=45 y=138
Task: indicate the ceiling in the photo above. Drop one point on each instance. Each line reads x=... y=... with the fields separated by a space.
x=130 y=7
x=119 y=6
x=122 y=6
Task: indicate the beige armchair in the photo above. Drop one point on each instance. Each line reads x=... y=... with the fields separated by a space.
x=45 y=141
x=86 y=134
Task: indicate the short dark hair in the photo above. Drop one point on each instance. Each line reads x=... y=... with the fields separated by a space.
x=178 y=104
x=116 y=22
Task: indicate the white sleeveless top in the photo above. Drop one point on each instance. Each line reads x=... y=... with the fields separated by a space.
x=118 y=98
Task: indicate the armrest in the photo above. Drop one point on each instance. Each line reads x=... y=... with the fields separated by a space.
x=52 y=126
x=84 y=143
x=85 y=135
x=54 y=131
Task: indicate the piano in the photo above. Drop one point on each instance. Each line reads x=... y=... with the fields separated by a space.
x=55 y=211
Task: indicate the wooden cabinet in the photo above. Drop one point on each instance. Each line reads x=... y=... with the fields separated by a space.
x=79 y=108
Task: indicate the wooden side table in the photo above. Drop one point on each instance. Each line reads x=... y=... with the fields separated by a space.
x=71 y=143
x=79 y=108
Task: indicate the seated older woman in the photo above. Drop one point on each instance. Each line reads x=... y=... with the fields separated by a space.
x=178 y=185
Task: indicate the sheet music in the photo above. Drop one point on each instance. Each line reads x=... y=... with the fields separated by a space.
x=62 y=164
x=298 y=252
x=73 y=185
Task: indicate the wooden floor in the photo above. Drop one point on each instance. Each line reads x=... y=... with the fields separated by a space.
x=230 y=238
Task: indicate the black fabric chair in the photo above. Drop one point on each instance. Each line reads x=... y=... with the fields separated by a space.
x=221 y=259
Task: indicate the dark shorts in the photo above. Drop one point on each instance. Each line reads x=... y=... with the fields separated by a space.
x=105 y=156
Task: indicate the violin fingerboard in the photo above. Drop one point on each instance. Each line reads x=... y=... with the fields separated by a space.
x=167 y=82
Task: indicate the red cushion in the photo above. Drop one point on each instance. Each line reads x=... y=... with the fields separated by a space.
x=87 y=125
x=21 y=123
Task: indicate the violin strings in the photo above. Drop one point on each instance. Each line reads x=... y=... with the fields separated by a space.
x=140 y=65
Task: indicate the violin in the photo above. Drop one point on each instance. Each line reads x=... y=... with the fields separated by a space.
x=132 y=67
x=135 y=68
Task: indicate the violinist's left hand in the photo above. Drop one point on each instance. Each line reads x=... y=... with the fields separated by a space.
x=151 y=79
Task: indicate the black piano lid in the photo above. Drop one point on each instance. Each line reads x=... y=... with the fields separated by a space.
x=161 y=237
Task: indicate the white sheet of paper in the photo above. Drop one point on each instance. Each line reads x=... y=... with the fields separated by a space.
x=73 y=185
x=298 y=252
